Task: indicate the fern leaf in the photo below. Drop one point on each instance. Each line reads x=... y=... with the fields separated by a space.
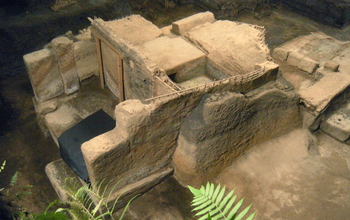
x=61 y=210
x=213 y=211
x=229 y=205
x=206 y=210
x=216 y=192
x=209 y=203
x=99 y=188
x=242 y=214
x=112 y=190
x=211 y=190
x=127 y=205
x=251 y=216
x=226 y=199
x=3 y=166
x=199 y=201
x=203 y=205
x=52 y=204
x=207 y=188
x=221 y=194
x=93 y=212
x=235 y=209
x=13 y=179
x=80 y=193
x=195 y=192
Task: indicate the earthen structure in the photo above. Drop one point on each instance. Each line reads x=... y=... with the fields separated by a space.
x=193 y=96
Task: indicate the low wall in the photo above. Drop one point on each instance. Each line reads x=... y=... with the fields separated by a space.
x=143 y=141
x=146 y=134
x=224 y=125
x=59 y=67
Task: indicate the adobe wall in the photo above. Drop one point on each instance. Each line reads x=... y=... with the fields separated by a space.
x=138 y=69
x=224 y=125
x=146 y=134
x=62 y=65
x=143 y=141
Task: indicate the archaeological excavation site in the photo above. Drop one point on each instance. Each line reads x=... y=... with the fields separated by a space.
x=145 y=98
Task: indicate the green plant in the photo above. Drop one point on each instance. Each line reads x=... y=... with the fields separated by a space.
x=12 y=182
x=1 y=169
x=3 y=166
x=51 y=216
x=80 y=206
x=43 y=216
x=210 y=203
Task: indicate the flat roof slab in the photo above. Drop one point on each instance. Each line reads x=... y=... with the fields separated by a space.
x=343 y=59
x=315 y=48
x=319 y=95
x=135 y=29
x=171 y=54
x=233 y=45
x=327 y=56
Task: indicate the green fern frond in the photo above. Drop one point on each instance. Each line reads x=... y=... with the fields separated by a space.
x=3 y=166
x=81 y=201
x=209 y=203
x=13 y=179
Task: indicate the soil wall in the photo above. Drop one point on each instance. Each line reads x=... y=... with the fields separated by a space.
x=224 y=125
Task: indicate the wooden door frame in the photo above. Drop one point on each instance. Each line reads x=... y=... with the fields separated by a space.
x=101 y=70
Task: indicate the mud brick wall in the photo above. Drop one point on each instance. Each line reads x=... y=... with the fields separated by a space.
x=224 y=125
x=145 y=137
x=143 y=141
x=64 y=51
x=44 y=74
x=61 y=67
x=138 y=80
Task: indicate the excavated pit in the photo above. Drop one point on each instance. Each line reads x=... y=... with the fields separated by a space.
x=302 y=171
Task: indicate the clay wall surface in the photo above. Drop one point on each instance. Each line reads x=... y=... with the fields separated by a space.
x=86 y=59
x=146 y=134
x=64 y=52
x=224 y=125
x=229 y=46
x=44 y=74
x=61 y=66
x=138 y=82
x=142 y=142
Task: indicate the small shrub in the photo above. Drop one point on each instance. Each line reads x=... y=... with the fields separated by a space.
x=82 y=207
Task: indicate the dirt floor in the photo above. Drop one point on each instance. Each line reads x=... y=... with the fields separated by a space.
x=24 y=146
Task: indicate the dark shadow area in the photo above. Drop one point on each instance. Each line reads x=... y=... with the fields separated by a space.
x=331 y=12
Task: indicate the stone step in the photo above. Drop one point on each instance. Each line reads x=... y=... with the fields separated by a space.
x=337 y=124
x=58 y=171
